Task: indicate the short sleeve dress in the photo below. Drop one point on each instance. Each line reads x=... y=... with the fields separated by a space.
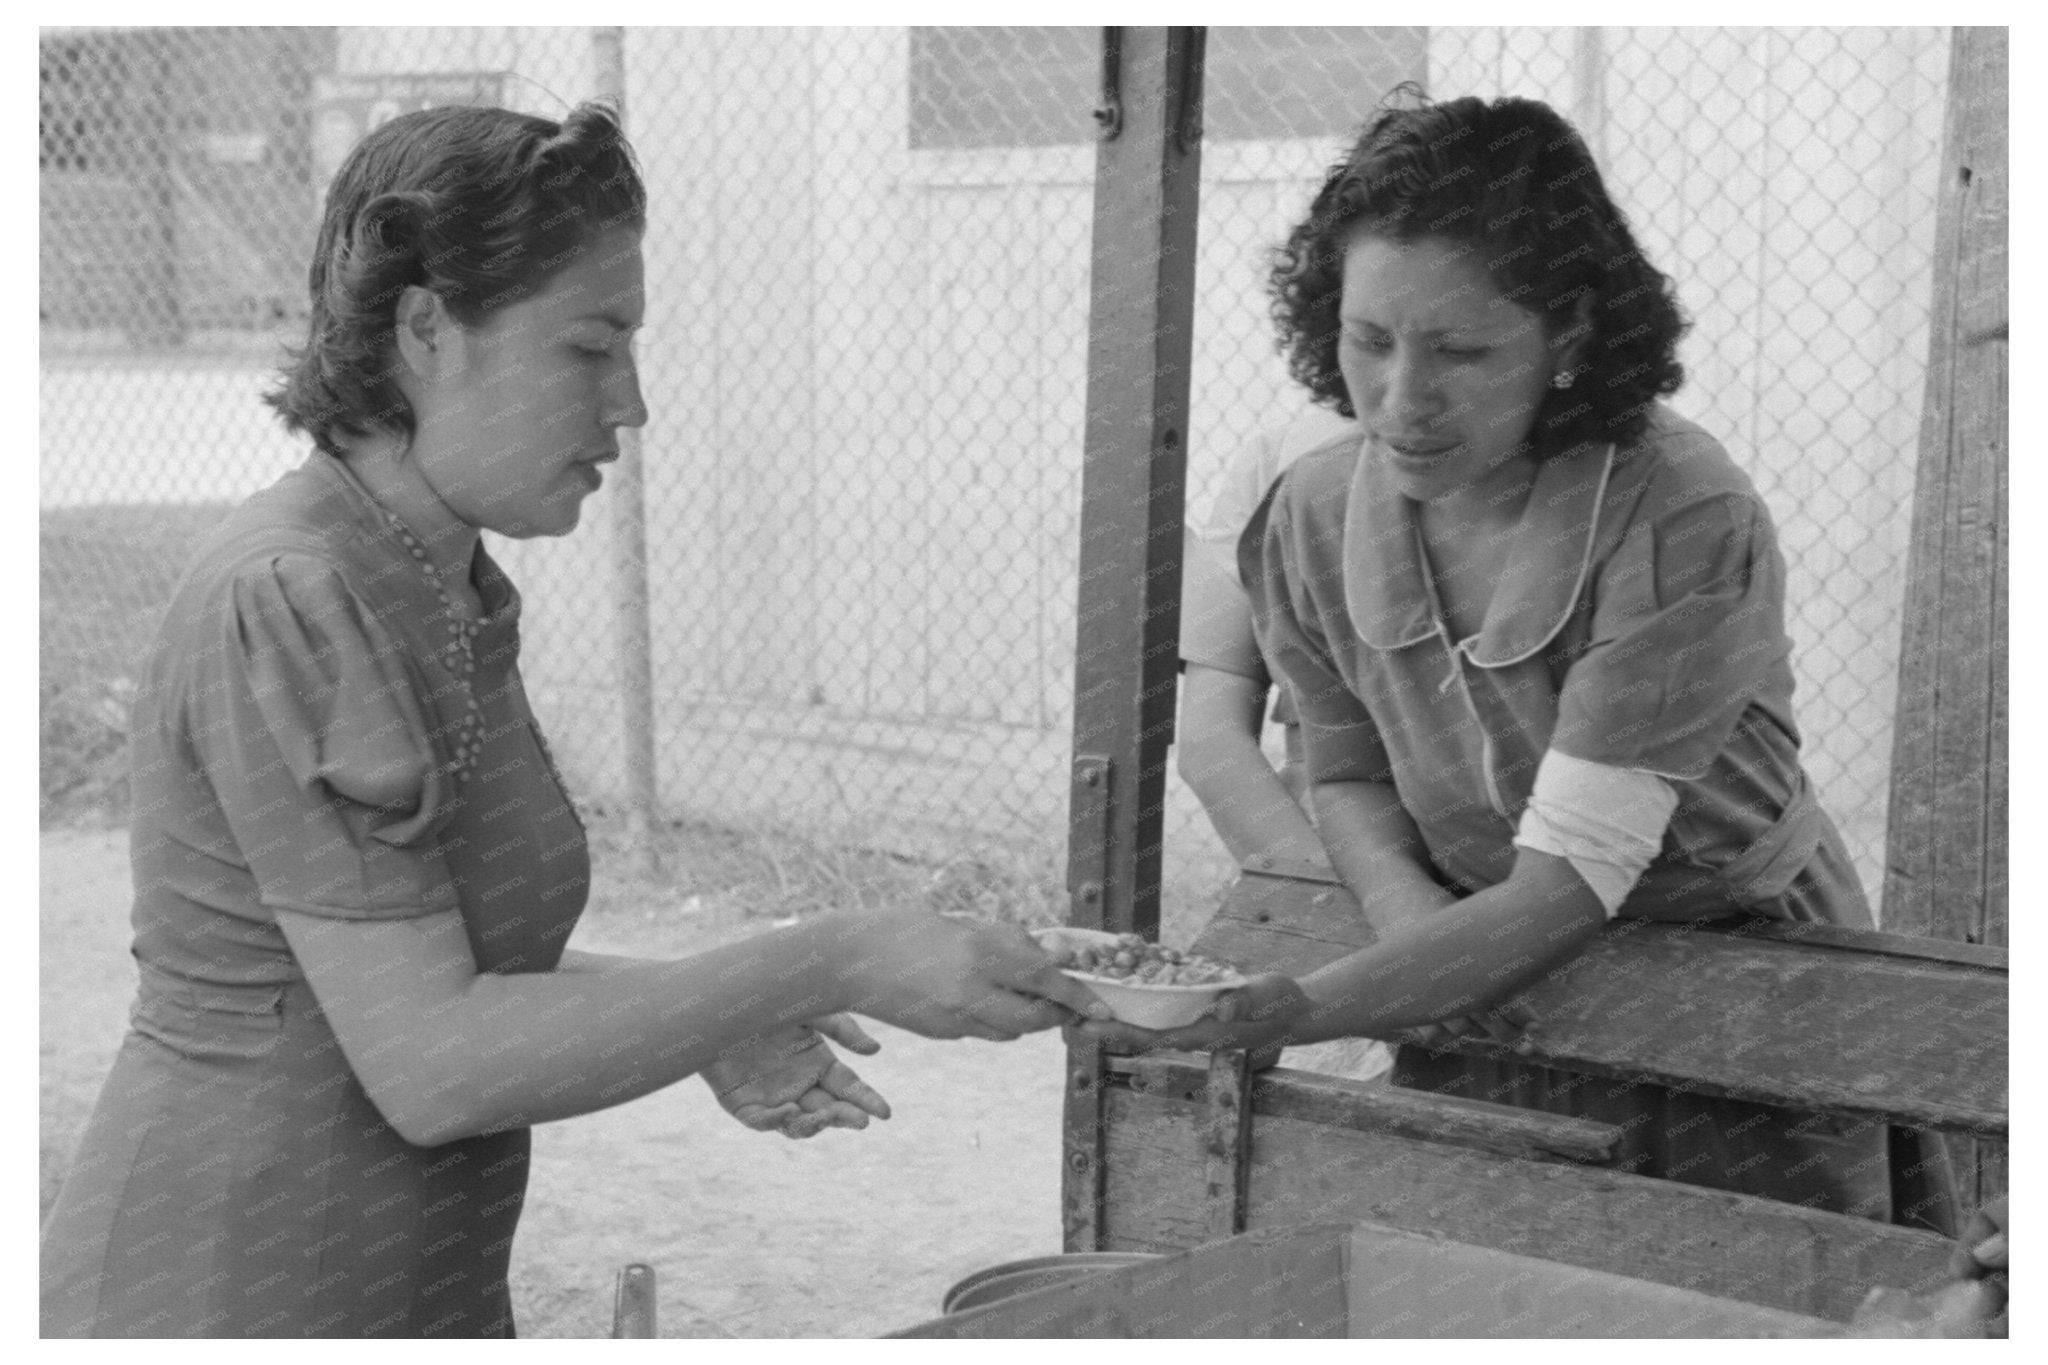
x=1215 y=619
x=1639 y=623
x=234 y=1180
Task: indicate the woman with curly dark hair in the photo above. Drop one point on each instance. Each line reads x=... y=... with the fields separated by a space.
x=355 y=867
x=1531 y=619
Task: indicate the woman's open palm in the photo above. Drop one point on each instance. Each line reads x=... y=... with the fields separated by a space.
x=792 y=1081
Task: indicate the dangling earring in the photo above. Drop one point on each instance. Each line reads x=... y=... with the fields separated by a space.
x=1563 y=379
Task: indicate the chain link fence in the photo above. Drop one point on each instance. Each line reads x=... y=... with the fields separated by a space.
x=868 y=261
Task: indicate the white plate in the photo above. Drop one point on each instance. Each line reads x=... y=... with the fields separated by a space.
x=1154 y=1007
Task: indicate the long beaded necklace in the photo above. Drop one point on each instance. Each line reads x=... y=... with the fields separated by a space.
x=460 y=654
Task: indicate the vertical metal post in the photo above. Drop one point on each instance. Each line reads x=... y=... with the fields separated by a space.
x=1141 y=325
x=1589 y=90
x=629 y=560
x=163 y=320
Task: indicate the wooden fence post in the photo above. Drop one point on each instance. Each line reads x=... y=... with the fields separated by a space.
x=1945 y=848
x=629 y=564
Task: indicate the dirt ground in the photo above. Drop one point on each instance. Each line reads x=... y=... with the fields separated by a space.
x=750 y=1235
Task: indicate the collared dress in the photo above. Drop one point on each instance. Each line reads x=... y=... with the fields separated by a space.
x=234 y=1179
x=1638 y=624
x=1215 y=628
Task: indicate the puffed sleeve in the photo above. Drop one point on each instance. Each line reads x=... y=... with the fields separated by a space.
x=308 y=720
x=1340 y=742
x=1688 y=623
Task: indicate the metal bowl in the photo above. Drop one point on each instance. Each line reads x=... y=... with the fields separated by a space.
x=1000 y=1282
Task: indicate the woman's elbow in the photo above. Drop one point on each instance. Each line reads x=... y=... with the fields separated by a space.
x=426 y=1104
x=416 y=1116
x=1568 y=901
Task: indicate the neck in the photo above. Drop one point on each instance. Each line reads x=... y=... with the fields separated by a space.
x=1493 y=503
x=391 y=474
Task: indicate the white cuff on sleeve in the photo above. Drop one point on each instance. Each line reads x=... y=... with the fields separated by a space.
x=1607 y=822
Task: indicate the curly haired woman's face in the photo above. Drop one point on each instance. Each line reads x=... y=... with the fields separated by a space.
x=1445 y=374
x=512 y=430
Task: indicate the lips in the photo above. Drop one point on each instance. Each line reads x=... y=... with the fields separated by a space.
x=590 y=468
x=1417 y=450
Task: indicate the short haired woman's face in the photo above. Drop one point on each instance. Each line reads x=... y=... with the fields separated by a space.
x=1445 y=374
x=511 y=438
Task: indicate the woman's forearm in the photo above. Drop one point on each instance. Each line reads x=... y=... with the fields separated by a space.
x=445 y=1051
x=1220 y=758
x=513 y=1050
x=1378 y=852
x=1467 y=955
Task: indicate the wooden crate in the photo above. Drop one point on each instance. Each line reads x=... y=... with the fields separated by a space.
x=1321 y=1149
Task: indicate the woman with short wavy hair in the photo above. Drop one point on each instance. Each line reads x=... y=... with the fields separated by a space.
x=1529 y=202
x=355 y=867
x=1532 y=622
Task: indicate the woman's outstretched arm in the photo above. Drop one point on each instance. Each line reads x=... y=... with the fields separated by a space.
x=1378 y=852
x=1463 y=957
x=1449 y=962
x=445 y=1051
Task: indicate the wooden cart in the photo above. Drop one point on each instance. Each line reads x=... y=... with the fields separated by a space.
x=1168 y=1152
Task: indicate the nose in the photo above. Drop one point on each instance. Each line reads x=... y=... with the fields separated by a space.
x=1410 y=392
x=623 y=405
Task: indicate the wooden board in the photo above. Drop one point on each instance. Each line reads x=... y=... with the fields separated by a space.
x=1837 y=1021
x=1406 y=1285
x=1281 y=924
x=1526 y=1133
x=1945 y=848
x=1303 y=1170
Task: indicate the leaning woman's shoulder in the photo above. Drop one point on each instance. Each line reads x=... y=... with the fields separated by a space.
x=1318 y=481
x=1678 y=462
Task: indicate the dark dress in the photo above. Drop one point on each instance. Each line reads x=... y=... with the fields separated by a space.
x=234 y=1179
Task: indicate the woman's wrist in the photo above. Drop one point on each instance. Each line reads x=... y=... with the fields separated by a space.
x=822 y=959
x=1390 y=905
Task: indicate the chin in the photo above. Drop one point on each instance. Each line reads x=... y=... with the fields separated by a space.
x=534 y=528
x=1419 y=487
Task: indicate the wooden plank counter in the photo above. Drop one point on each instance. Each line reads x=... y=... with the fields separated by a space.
x=1838 y=1021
